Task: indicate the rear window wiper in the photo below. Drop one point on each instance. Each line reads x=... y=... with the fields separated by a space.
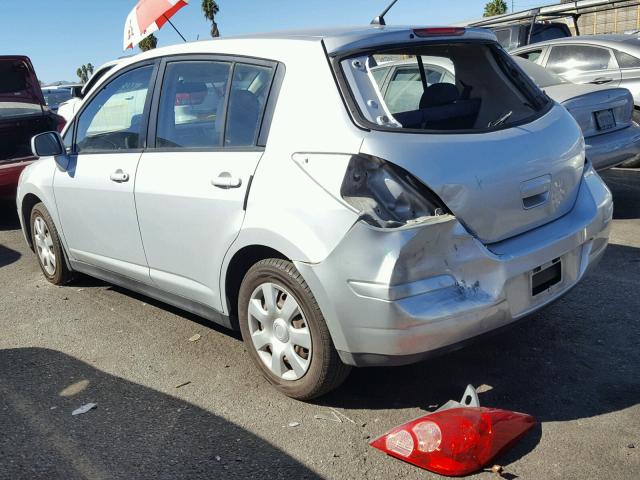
x=500 y=120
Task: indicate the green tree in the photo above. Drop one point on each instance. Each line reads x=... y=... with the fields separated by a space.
x=210 y=9
x=495 y=7
x=84 y=72
x=148 y=43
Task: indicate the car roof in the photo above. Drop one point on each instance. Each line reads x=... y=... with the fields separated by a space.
x=620 y=41
x=336 y=40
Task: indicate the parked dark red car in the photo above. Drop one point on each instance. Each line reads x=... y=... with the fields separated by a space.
x=23 y=114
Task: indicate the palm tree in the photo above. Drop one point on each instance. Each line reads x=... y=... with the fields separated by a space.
x=84 y=72
x=148 y=43
x=210 y=9
x=495 y=7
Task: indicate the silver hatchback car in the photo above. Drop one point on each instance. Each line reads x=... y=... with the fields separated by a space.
x=264 y=183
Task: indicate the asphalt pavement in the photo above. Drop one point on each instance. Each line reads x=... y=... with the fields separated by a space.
x=170 y=408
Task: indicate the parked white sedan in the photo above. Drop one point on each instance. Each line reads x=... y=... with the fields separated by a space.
x=266 y=184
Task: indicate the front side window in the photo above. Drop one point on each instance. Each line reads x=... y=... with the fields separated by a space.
x=113 y=119
x=191 y=112
x=249 y=92
x=568 y=59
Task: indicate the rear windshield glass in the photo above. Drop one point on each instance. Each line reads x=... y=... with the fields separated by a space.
x=57 y=96
x=13 y=77
x=452 y=87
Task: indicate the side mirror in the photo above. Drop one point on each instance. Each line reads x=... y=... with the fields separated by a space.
x=48 y=144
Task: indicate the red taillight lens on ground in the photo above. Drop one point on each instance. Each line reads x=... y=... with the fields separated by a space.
x=439 y=32
x=455 y=442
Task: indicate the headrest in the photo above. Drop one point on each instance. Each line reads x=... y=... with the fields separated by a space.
x=439 y=94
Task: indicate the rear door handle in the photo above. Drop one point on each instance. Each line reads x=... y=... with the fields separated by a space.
x=225 y=180
x=119 y=176
x=601 y=80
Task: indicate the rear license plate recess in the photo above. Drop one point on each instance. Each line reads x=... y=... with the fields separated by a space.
x=605 y=119
x=546 y=276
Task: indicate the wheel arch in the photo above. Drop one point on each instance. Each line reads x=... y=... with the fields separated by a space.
x=29 y=201
x=237 y=267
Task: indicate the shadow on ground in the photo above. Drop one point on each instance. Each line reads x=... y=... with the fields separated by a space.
x=8 y=256
x=135 y=432
x=8 y=215
x=625 y=184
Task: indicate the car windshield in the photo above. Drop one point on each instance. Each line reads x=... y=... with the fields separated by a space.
x=57 y=96
x=543 y=77
x=457 y=86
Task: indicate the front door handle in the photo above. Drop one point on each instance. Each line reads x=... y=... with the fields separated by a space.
x=119 y=176
x=601 y=80
x=225 y=180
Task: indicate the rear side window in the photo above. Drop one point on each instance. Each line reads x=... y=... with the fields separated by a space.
x=532 y=55
x=579 y=58
x=249 y=92
x=626 y=61
x=113 y=119
x=504 y=37
x=13 y=76
x=461 y=86
x=543 y=33
x=191 y=112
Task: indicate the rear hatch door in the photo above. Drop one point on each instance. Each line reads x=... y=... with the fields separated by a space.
x=18 y=83
x=500 y=183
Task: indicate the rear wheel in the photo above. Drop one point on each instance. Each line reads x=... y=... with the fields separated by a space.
x=285 y=332
x=47 y=246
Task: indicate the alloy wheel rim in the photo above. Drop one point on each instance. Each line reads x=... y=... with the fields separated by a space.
x=44 y=246
x=279 y=331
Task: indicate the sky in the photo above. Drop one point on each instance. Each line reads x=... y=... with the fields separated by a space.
x=61 y=35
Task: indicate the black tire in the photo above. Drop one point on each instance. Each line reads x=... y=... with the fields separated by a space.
x=325 y=371
x=61 y=274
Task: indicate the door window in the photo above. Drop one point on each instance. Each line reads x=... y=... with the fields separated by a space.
x=249 y=92
x=191 y=112
x=567 y=59
x=113 y=119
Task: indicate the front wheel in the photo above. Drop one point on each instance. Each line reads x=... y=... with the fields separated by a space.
x=285 y=333
x=47 y=246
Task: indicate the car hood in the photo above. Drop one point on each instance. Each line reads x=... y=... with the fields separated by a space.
x=18 y=81
x=498 y=184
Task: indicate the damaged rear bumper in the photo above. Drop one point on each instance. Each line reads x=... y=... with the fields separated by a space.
x=393 y=297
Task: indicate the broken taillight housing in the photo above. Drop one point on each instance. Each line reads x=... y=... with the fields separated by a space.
x=457 y=441
x=385 y=194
